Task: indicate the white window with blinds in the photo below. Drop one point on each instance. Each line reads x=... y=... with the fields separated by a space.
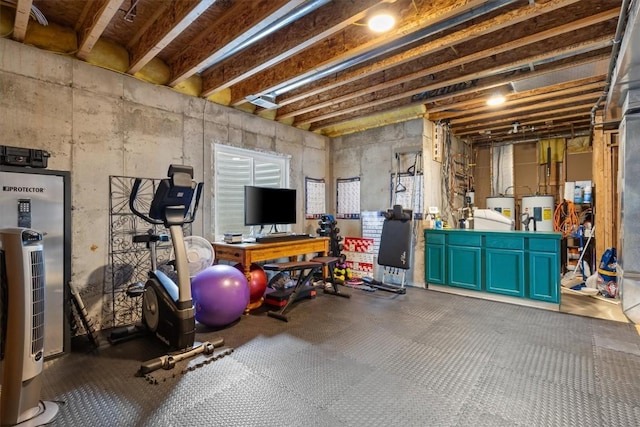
x=235 y=168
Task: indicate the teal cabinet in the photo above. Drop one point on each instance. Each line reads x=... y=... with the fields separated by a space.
x=434 y=264
x=434 y=258
x=544 y=277
x=505 y=272
x=543 y=270
x=465 y=270
x=518 y=264
x=504 y=259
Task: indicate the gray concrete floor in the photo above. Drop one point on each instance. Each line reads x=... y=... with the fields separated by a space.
x=378 y=359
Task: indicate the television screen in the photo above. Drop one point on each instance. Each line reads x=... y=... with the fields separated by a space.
x=268 y=206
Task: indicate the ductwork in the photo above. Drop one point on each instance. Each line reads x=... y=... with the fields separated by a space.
x=622 y=22
x=236 y=46
x=329 y=69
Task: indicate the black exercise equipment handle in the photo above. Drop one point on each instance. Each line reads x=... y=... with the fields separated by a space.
x=132 y=198
x=190 y=215
x=150 y=237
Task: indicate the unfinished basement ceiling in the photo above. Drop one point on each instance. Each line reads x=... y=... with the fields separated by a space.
x=316 y=66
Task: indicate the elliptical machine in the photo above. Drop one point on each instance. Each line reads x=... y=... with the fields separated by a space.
x=167 y=307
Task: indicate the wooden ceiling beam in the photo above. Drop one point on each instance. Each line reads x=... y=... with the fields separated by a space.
x=573 y=86
x=168 y=26
x=560 y=95
x=543 y=115
x=21 y=21
x=371 y=107
x=507 y=132
x=508 y=110
x=536 y=38
x=239 y=24
x=430 y=47
x=505 y=126
x=283 y=44
x=346 y=45
x=445 y=75
x=500 y=74
x=569 y=130
x=368 y=106
x=100 y=13
x=370 y=116
x=82 y=17
x=564 y=130
x=403 y=94
x=536 y=123
x=160 y=10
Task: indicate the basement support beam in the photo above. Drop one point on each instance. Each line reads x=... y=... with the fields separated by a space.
x=21 y=22
x=100 y=14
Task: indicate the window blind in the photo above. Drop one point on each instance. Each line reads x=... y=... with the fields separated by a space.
x=235 y=168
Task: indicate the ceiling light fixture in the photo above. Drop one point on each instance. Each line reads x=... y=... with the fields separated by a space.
x=382 y=21
x=496 y=100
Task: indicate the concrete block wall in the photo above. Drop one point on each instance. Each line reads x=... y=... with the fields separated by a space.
x=97 y=123
x=370 y=155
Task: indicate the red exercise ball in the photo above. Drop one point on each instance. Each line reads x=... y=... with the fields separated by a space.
x=258 y=282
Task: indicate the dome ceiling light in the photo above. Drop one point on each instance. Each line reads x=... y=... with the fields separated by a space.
x=381 y=21
x=496 y=100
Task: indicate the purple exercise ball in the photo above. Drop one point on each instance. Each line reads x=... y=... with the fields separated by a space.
x=220 y=295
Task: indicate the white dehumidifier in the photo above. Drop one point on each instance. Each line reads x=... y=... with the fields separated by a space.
x=22 y=293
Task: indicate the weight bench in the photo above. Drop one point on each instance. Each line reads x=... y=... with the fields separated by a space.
x=298 y=290
x=329 y=262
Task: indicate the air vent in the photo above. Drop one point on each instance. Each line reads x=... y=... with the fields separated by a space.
x=37 y=301
x=4 y=285
x=591 y=69
x=264 y=101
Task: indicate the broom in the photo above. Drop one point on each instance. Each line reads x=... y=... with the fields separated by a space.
x=571 y=280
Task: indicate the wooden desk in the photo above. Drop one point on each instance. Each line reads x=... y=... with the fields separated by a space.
x=249 y=253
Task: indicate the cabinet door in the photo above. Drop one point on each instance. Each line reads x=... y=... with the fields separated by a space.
x=465 y=270
x=434 y=262
x=505 y=272
x=544 y=280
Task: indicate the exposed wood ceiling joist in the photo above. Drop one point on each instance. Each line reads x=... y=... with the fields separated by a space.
x=165 y=29
x=323 y=70
x=23 y=10
x=430 y=47
x=99 y=15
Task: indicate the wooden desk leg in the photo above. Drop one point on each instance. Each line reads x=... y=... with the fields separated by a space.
x=254 y=305
x=247 y=274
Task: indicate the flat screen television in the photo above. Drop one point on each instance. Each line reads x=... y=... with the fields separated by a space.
x=269 y=206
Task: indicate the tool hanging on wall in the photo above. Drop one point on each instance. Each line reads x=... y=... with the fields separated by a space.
x=411 y=182
x=399 y=187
